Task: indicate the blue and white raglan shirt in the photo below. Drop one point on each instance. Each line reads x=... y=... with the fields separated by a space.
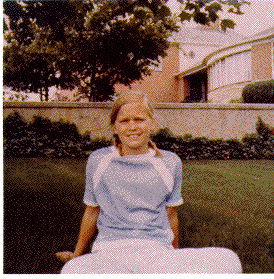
x=133 y=192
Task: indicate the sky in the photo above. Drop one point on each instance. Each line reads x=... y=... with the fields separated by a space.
x=258 y=16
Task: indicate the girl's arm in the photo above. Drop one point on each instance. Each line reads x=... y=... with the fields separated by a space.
x=174 y=224
x=87 y=231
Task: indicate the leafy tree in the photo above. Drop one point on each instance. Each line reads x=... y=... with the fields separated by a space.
x=206 y=11
x=95 y=44
x=33 y=56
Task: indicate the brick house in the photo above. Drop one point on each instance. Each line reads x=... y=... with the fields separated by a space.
x=231 y=68
x=205 y=64
x=162 y=84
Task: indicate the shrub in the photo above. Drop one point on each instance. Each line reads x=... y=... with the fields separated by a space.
x=263 y=129
x=254 y=146
x=14 y=127
x=261 y=144
x=259 y=92
x=42 y=137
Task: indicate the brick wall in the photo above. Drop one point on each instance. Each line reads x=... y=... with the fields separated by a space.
x=261 y=68
x=160 y=86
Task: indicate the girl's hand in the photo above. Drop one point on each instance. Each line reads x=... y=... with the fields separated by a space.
x=64 y=256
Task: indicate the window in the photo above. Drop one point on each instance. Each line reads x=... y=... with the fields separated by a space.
x=231 y=69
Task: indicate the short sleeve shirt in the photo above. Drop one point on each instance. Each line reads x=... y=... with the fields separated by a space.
x=133 y=192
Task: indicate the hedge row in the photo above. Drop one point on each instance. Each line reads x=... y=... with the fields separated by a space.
x=42 y=138
x=261 y=92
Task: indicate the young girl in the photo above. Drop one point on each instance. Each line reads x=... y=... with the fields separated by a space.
x=132 y=191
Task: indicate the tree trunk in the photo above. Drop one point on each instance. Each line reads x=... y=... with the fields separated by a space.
x=46 y=94
x=90 y=97
x=41 y=95
x=91 y=94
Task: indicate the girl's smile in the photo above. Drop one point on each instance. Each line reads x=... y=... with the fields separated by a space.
x=133 y=126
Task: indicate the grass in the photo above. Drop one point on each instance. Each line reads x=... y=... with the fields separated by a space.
x=227 y=204
x=242 y=190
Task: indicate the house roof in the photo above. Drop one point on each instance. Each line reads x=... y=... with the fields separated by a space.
x=263 y=34
x=217 y=37
x=199 y=35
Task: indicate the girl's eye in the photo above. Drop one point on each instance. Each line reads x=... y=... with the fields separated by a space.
x=139 y=119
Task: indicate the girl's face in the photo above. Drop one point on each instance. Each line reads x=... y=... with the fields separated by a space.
x=133 y=126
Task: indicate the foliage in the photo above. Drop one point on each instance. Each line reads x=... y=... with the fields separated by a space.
x=42 y=137
x=14 y=127
x=254 y=146
x=206 y=11
x=263 y=129
x=14 y=96
x=236 y=101
x=107 y=42
x=259 y=92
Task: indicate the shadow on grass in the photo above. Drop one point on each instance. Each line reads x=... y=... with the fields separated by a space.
x=36 y=226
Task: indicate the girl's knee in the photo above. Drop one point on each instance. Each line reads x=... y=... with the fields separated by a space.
x=229 y=261
x=67 y=268
x=70 y=267
x=76 y=266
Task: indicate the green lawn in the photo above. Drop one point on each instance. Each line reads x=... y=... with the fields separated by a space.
x=241 y=190
x=227 y=204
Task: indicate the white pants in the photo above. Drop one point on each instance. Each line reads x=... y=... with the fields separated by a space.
x=152 y=259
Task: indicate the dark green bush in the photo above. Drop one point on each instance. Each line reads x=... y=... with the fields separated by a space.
x=263 y=129
x=259 y=92
x=14 y=127
x=261 y=144
x=43 y=137
x=254 y=146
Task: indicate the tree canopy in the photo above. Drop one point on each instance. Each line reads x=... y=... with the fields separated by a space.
x=95 y=44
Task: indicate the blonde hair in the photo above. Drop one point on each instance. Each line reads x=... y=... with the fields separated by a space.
x=130 y=97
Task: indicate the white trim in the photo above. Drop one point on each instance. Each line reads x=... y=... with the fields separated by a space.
x=235 y=68
x=270 y=40
x=226 y=53
x=177 y=203
x=194 y=69
x=229 y=50
x=163 y=171
x=194 y=43
x=102 y=166
x=157 y=163
x=244 y=46
x=88 y=203
x=231 y=84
